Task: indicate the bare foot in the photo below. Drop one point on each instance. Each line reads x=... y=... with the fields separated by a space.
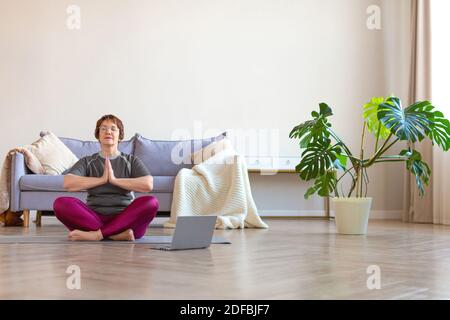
x=78 y=235
x=127 y=235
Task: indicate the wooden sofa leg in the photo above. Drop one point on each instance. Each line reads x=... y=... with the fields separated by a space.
x=38 y=220
x=26 y=218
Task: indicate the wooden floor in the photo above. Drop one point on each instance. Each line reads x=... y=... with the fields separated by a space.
x=294 y=259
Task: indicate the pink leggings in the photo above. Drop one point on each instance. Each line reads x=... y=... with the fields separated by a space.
x=75 y=214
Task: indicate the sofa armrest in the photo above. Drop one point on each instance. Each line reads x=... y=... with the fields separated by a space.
x=18 y=169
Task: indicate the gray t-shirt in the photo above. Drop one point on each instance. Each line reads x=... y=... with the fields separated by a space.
x=109 y=199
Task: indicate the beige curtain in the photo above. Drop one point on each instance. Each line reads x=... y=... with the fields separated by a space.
x=420 y=209
x=434 y=207
x=441 y=187
x=441 y=97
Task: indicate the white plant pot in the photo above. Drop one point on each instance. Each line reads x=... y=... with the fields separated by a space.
x=352 y=215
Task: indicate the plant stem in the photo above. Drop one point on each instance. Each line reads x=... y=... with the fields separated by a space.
x=362 y=155
x=346 y=171
x=355 y=162
x=359 y=177
x=347 y=150
x=390 y=145
x=353 y=180
x=352 y=187
x=389 y=160
x=394 y=157
x=368 y=163
x=336 y=191
x=378 y=137
x=366 y=181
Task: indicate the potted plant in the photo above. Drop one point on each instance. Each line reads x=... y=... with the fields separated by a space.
x=326 y=159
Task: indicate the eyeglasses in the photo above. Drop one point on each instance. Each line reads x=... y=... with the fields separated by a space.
x=105 y=129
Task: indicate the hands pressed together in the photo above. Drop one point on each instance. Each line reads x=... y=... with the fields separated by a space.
x=108 y=173
x=77 y=183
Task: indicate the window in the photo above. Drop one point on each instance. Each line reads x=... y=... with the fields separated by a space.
x=440 y=55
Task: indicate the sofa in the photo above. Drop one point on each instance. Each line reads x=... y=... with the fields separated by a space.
x=31 y=191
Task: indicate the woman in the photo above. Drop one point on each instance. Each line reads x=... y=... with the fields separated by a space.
x=110 y=177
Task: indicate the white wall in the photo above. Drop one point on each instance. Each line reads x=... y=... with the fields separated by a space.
x=163 y=66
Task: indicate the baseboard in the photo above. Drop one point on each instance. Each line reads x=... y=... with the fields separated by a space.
x=160 y=220
x=374 y=214
x=386 y=214
x=291 y=213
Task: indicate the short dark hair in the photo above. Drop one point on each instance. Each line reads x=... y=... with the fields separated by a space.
x=114 y=119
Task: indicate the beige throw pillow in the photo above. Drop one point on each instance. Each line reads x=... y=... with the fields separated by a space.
x=53 y=154
x=31 y=160
x=210 y=150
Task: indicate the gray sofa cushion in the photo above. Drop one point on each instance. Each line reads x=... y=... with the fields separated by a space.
x=40 y=182
x=85 y=148
x=156 y=154
x=36 y=200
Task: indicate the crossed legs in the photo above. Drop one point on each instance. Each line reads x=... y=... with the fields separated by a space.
x=85 y=224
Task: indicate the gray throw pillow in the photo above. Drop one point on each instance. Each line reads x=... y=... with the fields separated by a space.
x=167 y=157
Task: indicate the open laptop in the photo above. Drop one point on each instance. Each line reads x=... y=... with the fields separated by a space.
x=191 y=232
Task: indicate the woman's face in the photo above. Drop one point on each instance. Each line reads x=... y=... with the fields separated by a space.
x=109 y=133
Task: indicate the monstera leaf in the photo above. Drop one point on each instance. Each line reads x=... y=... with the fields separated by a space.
x=313 y=130
x=324 y=185
x=370 y=113
x=416 y=166
x=318 y=158
x=410 y=124
x=439 y=130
